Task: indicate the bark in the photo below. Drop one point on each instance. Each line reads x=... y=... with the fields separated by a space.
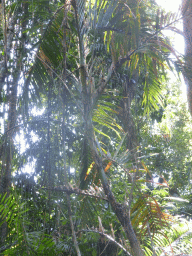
x=8 y=148
x=120 y=210
x=187 y=31
x=89 y=98
x=8 y=69
x=8 y=31
x=127 y=118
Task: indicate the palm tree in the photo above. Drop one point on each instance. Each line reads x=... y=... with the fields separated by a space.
x=81 y=58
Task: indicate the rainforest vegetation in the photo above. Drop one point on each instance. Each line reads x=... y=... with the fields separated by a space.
x=95 y=138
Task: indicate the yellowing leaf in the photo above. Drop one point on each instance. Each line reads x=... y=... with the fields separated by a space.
x=89 y=170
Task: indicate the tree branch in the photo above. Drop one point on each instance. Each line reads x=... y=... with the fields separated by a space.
x=107 y=236
x=103 y=83
x=70 y=190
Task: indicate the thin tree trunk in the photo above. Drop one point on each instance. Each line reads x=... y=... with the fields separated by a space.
x=120 y=210
x=64 y=99
x=88 y=98
x=8 y=34
x=187 y=30
x=12 y=87
x=127 y=119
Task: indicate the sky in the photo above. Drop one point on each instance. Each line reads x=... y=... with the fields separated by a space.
x=173 y=6
x=178 y=41
x=169 y=5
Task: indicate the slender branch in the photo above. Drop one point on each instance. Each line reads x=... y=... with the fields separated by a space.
x=76 y=191
x=107 y=236
x=104 y=248
x=58 y=76
x=119 y=209
x=30 y=122
x=72 y=226
x=104 y=82
x=64 y=102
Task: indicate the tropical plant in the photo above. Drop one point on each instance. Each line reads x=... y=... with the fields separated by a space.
x=93 y=68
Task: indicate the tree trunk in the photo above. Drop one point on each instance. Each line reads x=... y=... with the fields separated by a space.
x=122 y=212
x=127 y=118
x=187 y=30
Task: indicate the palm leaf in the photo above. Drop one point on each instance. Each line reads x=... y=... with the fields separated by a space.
x=106 y=13
x=146 y=210
x=102 y=117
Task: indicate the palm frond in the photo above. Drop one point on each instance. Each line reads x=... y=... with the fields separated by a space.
x=146 y=210
x=102 y=117
x=12 y=213
x=105 y=13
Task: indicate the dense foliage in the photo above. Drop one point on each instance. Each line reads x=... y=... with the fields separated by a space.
x=95 y=145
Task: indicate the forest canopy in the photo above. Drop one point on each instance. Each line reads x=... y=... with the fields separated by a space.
x=95 y=140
